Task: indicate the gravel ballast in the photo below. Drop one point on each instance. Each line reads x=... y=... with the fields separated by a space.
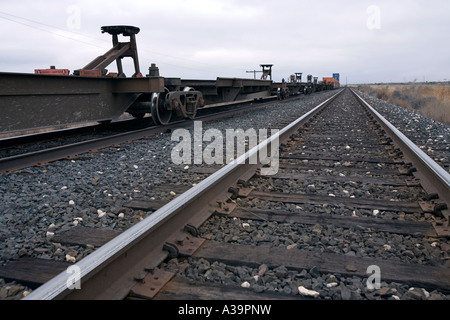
x=41 y=202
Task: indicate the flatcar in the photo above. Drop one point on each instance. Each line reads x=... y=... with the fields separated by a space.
x=54 y=97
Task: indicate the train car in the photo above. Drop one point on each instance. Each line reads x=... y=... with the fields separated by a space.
x=51 y=97
x=330 y=83
x=54 y=97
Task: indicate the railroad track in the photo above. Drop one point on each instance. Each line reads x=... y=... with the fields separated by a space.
x=41 y=149
x=342 y=208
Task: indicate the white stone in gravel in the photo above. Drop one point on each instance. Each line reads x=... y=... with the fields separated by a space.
x=245 y=225
x=426 y=293
x=71 y=203
x=51 y=226
x=395 y=297
x=307 y=293
x=331 y=195
x=135 y=166
x=121 y=215
x=375 y=212
x=75 y=222
x=49 y=234
x=64 y=188
x=70 y=258
x=186 y=167
x=172 y=193
x=245 y=284
x=101 y=213
x=58 y=253
x=434 y=244
x=291 y=246
x=387 y=247
x=332 y=284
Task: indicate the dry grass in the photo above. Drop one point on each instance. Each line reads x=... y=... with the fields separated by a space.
x=430 y=99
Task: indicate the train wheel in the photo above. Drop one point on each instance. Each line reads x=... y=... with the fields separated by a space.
x=160 y=113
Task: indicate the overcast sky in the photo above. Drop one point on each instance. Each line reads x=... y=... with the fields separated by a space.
x=364 y=41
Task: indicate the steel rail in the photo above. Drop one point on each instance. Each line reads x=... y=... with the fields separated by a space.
x=433 y=178
x=109 y=271
x=45 y=156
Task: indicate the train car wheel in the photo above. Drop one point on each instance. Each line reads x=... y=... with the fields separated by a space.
x=160 y=113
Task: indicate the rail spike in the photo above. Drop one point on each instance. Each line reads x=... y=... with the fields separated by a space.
x=172 y=249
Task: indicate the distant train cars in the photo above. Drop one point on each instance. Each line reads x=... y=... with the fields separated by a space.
x=330 y=82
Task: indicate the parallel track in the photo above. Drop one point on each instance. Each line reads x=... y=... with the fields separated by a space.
x=67 y=151
x=130 y=265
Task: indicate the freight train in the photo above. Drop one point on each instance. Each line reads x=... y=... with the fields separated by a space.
x=54 y=97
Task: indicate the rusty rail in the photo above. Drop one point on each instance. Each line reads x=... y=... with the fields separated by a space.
x=433 y=178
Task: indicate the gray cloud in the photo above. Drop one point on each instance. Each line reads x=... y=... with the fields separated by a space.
x=209 y=38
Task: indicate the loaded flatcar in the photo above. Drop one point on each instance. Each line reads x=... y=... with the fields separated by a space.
x=54 y=97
